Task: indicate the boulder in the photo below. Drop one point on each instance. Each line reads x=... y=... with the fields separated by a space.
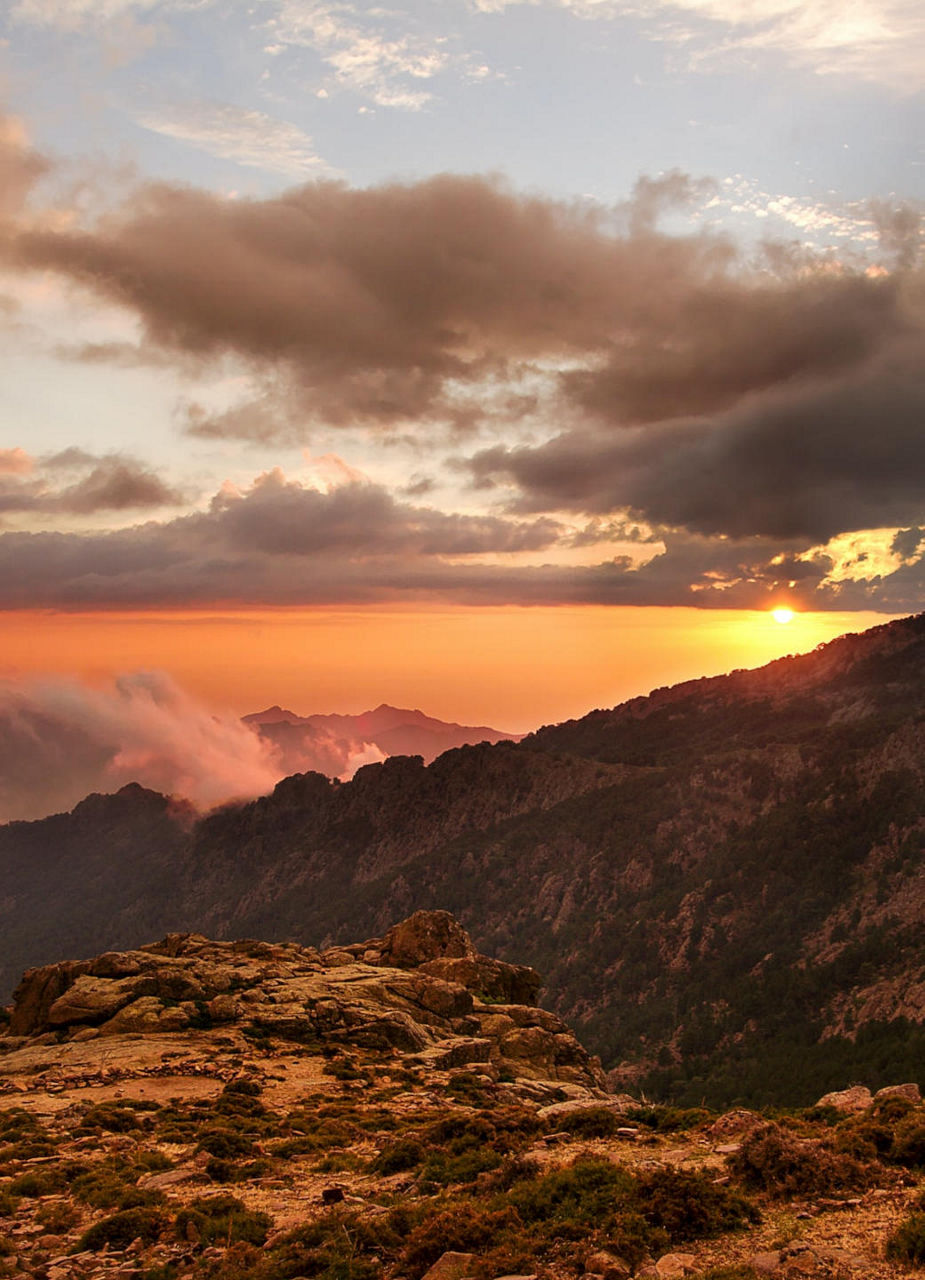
x=857 y=1098
x=38 y=991
x=96 y=999
x=424 y=936
x=618 y=1103
x=514 y=984
x=910 y=1092
x=146 y=1014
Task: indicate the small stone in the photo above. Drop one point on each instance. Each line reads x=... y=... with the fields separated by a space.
x=607 y=1265
x=451 y=1266
x=672 y=1266
x=766 y=1263
x=728 y=1148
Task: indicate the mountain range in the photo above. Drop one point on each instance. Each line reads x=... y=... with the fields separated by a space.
x=337 y=745
x=723 y=883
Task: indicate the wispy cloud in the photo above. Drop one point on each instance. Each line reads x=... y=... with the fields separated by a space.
x=874 y=40
x=364 y=51
x=235 y=133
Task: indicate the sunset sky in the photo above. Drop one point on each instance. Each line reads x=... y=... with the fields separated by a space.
x=504 y=358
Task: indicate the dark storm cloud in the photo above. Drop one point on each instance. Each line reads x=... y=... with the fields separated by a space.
x=804 y=464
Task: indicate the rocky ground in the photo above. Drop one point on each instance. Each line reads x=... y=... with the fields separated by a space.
x=401 y=1108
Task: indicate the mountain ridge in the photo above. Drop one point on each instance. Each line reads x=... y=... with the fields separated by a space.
x=336 y=745
x=717 y=879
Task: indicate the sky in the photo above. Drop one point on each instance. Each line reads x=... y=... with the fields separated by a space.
x=504 y=358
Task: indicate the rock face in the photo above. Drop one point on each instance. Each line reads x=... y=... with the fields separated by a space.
x=419 y=990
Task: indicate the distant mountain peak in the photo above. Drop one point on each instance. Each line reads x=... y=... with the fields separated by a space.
x=273 y=715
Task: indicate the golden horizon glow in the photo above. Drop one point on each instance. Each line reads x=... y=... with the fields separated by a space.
x=512 y=668
x=783 y=616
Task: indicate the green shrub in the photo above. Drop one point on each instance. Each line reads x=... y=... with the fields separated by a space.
x=586 y=1191
x=38 y=1182
x=227 y=1171
x=462 y=1228
x=667 y=1119
x=247 y=1088
x=907 y=1243
x=596 y=1122
x=689 y=1206
x=225 y=1143
x=112 y=1186
x=397 y=1157
x=909 y=1141
x=221 y=1219
x=122 y=1228
x=446 y=1169
x=57 y=1216
x=777 y=1162
x=113 y=1117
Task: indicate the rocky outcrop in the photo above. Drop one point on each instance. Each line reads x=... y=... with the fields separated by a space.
x=420 y=990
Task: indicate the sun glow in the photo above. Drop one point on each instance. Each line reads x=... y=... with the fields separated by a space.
x=782 y=615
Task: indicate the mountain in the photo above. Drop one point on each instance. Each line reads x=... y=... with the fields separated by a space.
x=196 y=1109
x=723 y=882
x=336 y=745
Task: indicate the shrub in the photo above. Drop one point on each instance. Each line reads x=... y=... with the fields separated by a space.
x=909 y=1141
x=462 y=1228
x=689 y=1206
x=221 y=1219
x=38 y=1182
x=907 y=1243
x=225 y=1143
x=247 y=1088
x=446 y=1169
x=111 y=1186
x=782 y=1165
x=397 y=1157
x=667 y=1119
x=122 y=1228
x=112 y=1117
x=227 y=1171
x=57 y=1216
x=586 y=1191
x=596 y=1122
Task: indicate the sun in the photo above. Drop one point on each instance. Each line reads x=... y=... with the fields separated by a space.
x=782 y=615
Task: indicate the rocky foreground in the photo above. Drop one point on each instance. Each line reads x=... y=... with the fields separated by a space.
x=401 y=1108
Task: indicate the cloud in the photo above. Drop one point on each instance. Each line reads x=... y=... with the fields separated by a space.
x=281 y=543
x=873 y=40
x=234 y=133
x=276 y=542
x=409 y=302
x=803 y=463
x=113 y=482
x=766 y=404
x=60 y=739
x=20 y=168
x=15 y=462
x=388 y=68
